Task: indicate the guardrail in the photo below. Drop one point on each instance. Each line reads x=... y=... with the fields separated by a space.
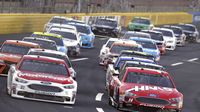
x=22 y=23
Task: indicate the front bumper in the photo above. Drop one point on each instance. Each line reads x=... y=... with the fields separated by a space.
x=131 y=104
x=73 y=50
x=54 y=93
x=87 y=44
x=170 y=46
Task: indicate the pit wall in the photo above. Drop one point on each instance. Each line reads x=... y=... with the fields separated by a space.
x=23 y=23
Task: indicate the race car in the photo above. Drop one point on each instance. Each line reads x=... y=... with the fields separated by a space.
x=113 y=69
x=63 y=26
x=86 y=35
x=180 y=36
x=140 y=23
x=112 y=53
x=106 y=47
x=169 y=37
x=54 y=54
x=106 y=26
x=144 y=90
x=158 y=39
x=191 y=32
x=149 y=46
x=44 y=43
x=56 y=20
x=71 y=40
x=11 y=52
x=43 y=79
x=129 y=34
x=54 y=37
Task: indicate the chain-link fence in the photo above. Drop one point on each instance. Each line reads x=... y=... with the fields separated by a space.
x=89 y=6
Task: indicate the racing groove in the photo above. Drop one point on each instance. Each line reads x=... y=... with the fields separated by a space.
x=91 y=80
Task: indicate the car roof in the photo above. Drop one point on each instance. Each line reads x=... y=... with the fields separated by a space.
x=186 y=24
x=22 y=43
x=47 y=34
x=135 y=32
x=147 y=70
x=143 y=63
x=142 y=39
x=164 y=29
x=151 y=31
x=62 y=17
x=64 y=25
x=40 y=39
x=125 y=43
x=48 y=51
x=45 y=58
x=172 y=26
x=142 y=18
x=64 y=30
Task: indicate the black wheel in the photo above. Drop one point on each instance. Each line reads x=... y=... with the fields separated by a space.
x=118 y=105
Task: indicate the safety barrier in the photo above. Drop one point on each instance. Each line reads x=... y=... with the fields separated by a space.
x=22 y=23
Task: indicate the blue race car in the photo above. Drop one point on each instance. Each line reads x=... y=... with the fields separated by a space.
x=86 y=35
x=57 y=38
x=149 y=46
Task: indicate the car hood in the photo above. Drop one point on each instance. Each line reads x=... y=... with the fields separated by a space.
x=10 y=57
x=166 y=38
x=152 y=91
x=69 y=42
x=85 y=36
x=190 y=32
x=45 y=77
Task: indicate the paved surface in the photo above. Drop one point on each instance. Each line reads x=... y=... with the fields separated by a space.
x=183 y=64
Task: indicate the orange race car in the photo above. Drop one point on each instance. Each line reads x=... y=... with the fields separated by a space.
x=12 y=51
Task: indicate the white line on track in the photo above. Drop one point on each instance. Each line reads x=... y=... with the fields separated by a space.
x=99 y=96
x=68 y=107
x=99 y=109
x=176 y=64
x=193 y=59
x=79 y=59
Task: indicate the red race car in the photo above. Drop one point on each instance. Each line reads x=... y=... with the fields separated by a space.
x=144 y=90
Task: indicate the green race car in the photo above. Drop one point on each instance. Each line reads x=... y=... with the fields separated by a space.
x=140 y=23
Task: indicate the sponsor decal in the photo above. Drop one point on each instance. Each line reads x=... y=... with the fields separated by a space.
x=45 y=93
x=148 y=88
x=153 y=95
x=151 y=105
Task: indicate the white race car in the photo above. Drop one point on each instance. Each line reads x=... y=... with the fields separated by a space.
x=54 y=54
x=56 y=20
x=105 y=47
x=71 y=39
x=169 y=37
x=43 y=79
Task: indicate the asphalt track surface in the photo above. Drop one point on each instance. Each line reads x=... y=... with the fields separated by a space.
x=183 y=64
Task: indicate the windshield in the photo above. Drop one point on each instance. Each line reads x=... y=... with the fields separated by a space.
x=156 y=36
x=177 y=31
x=147 y=44
x=187 y=28
x=67 y=35
x=58 y=41
x=141 y=21
x=148 y=79
x=15 y=49
x=53 y=56
x=165 y=33
x=128 y=35
x=82 y=29
x=106 y=22
x=43 y=67
x=118 y=48
x=43 y=44
x=109 y=44
x=58 y=20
